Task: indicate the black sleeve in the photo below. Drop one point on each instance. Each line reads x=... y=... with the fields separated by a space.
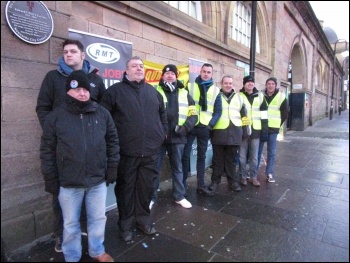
x=192 y=116
x=45 y=99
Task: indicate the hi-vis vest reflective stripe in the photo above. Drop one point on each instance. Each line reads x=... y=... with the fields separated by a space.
x=230 y=111
x=273 y=111
x=204 y=116
x=183 y=103
x=253 y=111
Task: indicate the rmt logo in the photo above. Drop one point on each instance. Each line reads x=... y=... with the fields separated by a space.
x=103 y=53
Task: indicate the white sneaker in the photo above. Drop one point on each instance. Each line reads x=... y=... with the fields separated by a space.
x=270 y=178
x=184 y=203
x=151 y=204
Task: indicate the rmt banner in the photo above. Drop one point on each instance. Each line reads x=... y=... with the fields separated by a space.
x=107 y=54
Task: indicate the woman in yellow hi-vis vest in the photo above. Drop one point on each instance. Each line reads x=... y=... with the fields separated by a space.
x=209 y=107
x=257 y=114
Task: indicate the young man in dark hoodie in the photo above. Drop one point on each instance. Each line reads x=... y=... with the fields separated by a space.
x=257 y=114
x=209 y=107
x=277 y=113
x=182 y=116
x=52 y=94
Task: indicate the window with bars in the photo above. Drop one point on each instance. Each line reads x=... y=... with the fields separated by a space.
x=240 y=26
x=191 y=8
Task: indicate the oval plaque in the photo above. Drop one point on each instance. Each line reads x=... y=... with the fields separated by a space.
x=31 y=21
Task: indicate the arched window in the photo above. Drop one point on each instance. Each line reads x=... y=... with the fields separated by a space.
x=240 y=25
x=318 y=78
x=192 y=8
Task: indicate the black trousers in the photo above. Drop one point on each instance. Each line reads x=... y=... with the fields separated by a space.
x=134 y=189
x=224 y=162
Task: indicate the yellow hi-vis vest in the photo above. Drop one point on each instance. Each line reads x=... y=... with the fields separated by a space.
x=273 y=111
x=230 y=112
x=204 y=116
x=253 y=111
x=183 y=103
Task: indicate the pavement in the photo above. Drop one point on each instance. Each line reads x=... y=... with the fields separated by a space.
x=303 y=216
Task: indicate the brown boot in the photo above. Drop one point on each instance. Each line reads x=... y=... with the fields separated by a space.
x=103 y=258
x=255 y=182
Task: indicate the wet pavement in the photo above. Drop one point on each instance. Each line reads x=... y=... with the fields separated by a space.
x=303 y=216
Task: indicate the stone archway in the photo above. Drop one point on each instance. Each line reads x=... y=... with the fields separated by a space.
x=297 y=99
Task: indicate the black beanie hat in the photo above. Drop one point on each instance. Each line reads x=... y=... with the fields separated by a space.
x=273 y=79
x=78 y=79
x=170 y=67
x=247 y=79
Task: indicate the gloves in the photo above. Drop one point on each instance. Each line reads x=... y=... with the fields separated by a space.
x=210 y=129
x=264 y=136
x=181 y=130
x=111 y=173
x=245 y=121
x=52 y=186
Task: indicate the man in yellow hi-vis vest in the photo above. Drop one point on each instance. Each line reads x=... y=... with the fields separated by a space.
x=257 y=114
x=209 y=107
x=182 y=117
x=277 y=113
x=227 y=137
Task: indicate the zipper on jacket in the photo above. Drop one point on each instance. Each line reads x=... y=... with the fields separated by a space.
x=82 y=125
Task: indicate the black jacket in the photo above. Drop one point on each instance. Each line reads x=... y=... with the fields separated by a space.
x=79 y=139
x=53 y=91
x=139 y=114
x=232 y=135
x=172 y=110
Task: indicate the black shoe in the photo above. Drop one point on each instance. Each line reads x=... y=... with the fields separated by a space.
x=205 y=191
x=149 y=230
x=58 y=245
x=127 y=236
x=213 y=186
x=234 y=187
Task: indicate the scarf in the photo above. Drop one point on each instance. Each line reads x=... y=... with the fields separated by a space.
x=203 y=87
x=67 y=70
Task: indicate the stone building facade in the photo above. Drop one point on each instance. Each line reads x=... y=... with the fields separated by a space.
x=289 y=34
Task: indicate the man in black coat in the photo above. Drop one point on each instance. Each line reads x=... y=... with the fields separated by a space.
x=52 y=94
x=79 y=153
x=138 y=111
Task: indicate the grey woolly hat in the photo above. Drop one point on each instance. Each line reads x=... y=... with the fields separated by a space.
x=78 y=79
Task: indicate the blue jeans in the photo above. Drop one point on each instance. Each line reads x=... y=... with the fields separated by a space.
x=271 y=153
x=71 y=200
x=203 y=136
x=253 y=146
x=175 y=153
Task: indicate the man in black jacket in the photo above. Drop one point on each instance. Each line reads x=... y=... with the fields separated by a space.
x=227 y=137
x=79 y=153
x=182 y=117
x=138 y=111
x=52 y=94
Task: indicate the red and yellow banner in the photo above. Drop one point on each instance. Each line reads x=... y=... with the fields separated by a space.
x=153 y=73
